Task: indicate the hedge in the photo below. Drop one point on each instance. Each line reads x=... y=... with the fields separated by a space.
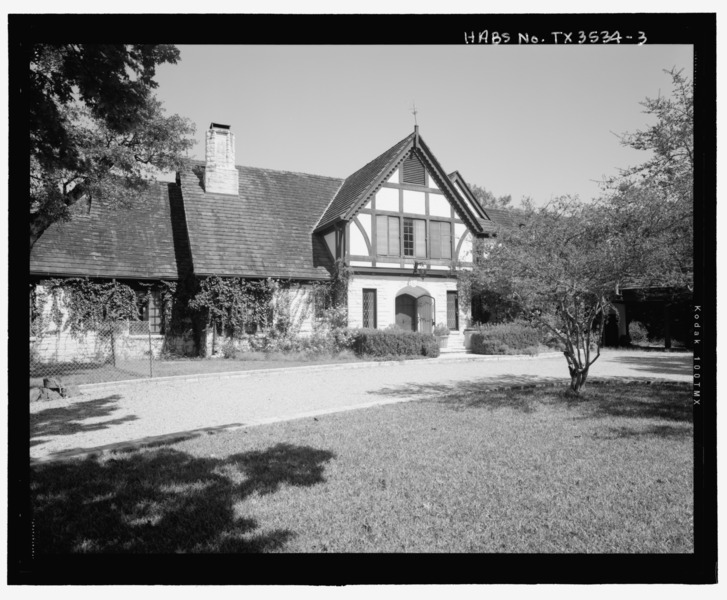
x=393 y=342
x=506 y=338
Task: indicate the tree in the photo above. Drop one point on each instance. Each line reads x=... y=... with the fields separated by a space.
x=96 y=129
x=561 y=269
x=487 y=198
x=654 y=200
x=568 y=262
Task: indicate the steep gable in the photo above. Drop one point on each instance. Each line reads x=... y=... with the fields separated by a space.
x=415 y=157
x=357 y=185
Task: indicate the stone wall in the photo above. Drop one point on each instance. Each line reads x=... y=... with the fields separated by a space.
x=386 y=291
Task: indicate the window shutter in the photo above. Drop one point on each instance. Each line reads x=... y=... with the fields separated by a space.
x=446 y=230
x=414 y=171
x=436 y=236
x=382 y=235
x=393 y=236
x=420 y=238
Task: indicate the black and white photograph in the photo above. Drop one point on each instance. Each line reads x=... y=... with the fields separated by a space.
x=399 y=288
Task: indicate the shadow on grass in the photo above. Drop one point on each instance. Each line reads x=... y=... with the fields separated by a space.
x=658 y=363
x=611 y=399
x=165 y=501
x=477 y=393
x=675 y=432
x=69 y=420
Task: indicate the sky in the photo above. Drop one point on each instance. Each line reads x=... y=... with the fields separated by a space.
x=537 y=121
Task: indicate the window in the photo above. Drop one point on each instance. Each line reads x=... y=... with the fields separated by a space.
x=149 y=306
x=369 y=308
x=441 y=239
x=415 y=238
x=387 y=235
x=452 y=310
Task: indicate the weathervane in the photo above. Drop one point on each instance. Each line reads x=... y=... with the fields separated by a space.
x=414 y=112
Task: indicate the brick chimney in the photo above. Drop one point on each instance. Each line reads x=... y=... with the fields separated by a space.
x=220 y=174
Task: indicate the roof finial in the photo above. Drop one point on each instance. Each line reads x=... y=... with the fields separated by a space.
x=416 y=126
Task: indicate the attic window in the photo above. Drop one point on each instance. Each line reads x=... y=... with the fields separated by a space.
x=414 y=171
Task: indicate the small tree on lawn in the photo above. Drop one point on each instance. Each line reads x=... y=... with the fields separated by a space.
x=562 y=269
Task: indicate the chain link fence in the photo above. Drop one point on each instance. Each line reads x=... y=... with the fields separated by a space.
x=116 y=351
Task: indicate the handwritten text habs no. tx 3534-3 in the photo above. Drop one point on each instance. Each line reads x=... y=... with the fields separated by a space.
x=555 y=37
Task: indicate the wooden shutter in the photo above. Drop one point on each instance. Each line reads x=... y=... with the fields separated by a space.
x=394 y=236
x=446 y=245
x=436 y=239
x=382 y=235
x=420 y=238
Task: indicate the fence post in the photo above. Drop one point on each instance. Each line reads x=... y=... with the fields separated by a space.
x=151 y=353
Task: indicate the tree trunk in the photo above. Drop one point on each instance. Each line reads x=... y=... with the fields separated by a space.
x=578 y=380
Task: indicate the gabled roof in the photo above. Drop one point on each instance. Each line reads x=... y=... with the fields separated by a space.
x=265 y=231
x=355 y=187
x=142 y=241
x=502 y=216
x=358 y=187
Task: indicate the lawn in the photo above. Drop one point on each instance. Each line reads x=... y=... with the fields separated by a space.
x=81 y=373
x=466 y=471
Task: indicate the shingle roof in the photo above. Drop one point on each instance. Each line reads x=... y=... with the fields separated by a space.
x=502 y=216
x=265 y=232
x=136 y=242
x=355 y=185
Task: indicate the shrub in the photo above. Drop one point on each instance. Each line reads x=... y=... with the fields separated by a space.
x=506 y=338
x=394 y=342
x=229 y=349
x=441 y=329
x=638 y=332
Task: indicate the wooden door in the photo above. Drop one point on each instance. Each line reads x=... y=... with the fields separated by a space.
x=425 y=312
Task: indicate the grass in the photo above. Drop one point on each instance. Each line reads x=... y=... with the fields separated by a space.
x=80 y=373
x=462 y=471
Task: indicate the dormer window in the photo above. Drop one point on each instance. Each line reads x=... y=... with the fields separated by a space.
x=413 y=171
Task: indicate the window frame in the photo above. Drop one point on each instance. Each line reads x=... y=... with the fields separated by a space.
x=374 y=310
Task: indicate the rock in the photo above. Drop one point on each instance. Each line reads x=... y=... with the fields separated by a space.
x=70 y=390
x=52 y=383
x=47 y=394
x=34 y=394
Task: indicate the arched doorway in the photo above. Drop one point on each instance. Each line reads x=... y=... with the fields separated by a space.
x=406 y=312
x=414 y=310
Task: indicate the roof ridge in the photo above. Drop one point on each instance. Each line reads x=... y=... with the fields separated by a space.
x=197 y=162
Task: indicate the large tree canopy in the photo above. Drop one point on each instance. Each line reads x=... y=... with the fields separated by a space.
x=653 y=202
x=95 y=127
x=568 y=262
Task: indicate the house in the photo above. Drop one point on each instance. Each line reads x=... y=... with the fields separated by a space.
x=400 y=225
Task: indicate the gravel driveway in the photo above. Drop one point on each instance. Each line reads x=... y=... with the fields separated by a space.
x=110 y=417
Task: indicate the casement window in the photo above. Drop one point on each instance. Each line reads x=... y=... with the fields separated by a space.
x=149 y=307
x=369 y=308
x=452 y=310
x=441 y=239
x=415 y=237
x=387 y=236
